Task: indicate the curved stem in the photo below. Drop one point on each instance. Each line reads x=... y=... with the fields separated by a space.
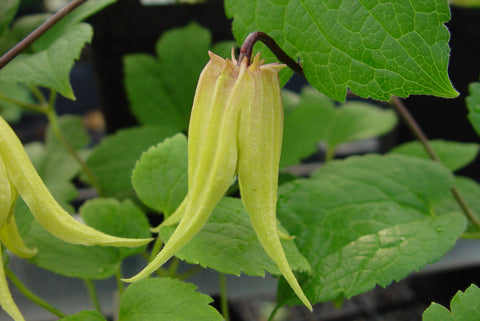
x=53 y=120
x=417 y=131
x=223 y=296
x=247 y=47
x=37 y=33
x=33 y=107
x=92 y=292
x=32 y=296
x=274 y=312
x=192 y=271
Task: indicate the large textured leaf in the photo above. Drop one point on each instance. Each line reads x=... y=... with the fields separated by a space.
x=375 y=48
x=50 y=67
x=228 y=243
x=473 y=105
x=454 y=155
x=165 y=299
x=366 y=221
x=160 y=175
x=113 y=160
x=465 y=306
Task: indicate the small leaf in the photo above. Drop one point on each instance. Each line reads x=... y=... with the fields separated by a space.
x=161 y=89
x=8 y=9
x=303 y=130
x=228 y=244
x=50 y=67
x=356 y=120
x=454 y=155
x=117 y=218
x=113 y=160
x=366 y=221
x=156 y=299
x=160 y=176
x=473 y=105
x=377 y=49
x=91 y=262
x=465 y=306
x=84 y=316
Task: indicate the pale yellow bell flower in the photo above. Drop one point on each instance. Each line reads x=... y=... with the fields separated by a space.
x=236 y=126
x=18 y=177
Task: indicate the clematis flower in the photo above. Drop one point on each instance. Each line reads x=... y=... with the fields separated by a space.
x=236 y=126
x=19 y=177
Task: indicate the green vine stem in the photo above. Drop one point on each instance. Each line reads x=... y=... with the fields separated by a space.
x=274 y=312
x=33 y=107
x=118 y=279
x=53 y=120
x=32 y=296
x=223 y=296
x=92 y=292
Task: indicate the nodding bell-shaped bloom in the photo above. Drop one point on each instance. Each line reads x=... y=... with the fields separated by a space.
x=19 y=177
x=236 y=126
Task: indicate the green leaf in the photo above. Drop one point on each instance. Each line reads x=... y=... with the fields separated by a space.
x=50 y=67
x=377 y=49
x=161 y=89
x=465 y=306
x=160 y=175
x=92 y=262
x=454 y=155
x=113 y=160
x=165 y=299
x=119 y=219
x=228 y=244
x=8 y=9
x=356 y=120
x=303 y=128
x=473 y=105
x=470 y=191
x=84 y=316
x=365 y=221
x=313 y=117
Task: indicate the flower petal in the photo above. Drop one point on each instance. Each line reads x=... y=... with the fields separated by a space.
x=223 y=88
x=260 y=142
x=43 y=206
x=6 y=300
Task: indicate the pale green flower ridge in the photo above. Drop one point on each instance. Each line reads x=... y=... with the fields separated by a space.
x=236 y=126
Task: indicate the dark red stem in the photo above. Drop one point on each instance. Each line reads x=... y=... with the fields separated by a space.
x=247 y=48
